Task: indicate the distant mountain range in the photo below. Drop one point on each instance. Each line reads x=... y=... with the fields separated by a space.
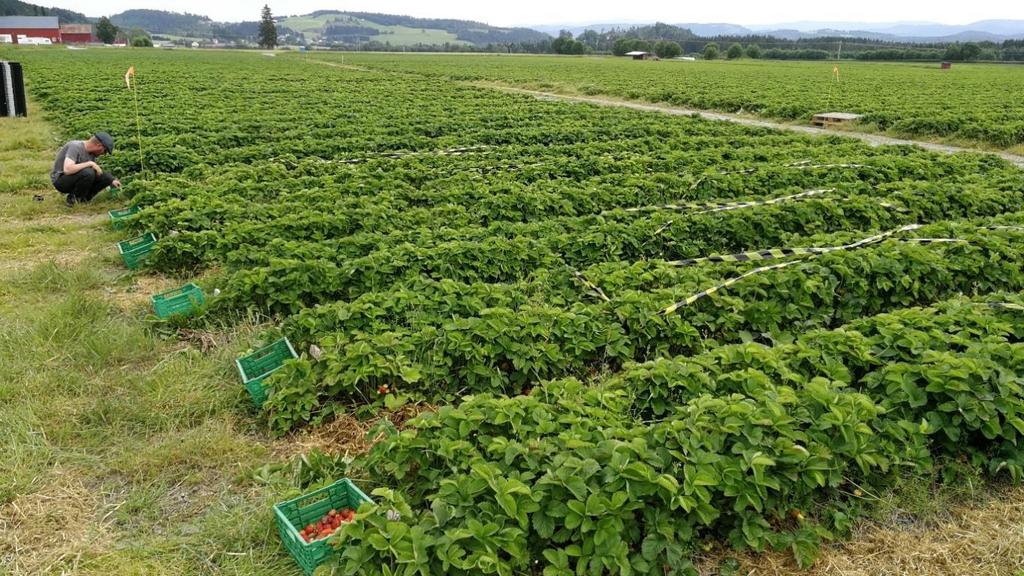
x=992 y=30
x=346 y=27
x=330 y=26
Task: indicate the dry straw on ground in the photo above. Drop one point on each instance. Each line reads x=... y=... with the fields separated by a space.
x=50 y=531
x=984 y=539
x=345 y=434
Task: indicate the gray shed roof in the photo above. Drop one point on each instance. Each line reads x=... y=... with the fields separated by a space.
x=637 y=53
x=40 y=22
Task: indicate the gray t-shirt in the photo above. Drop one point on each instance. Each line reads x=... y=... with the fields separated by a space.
x=74 y=150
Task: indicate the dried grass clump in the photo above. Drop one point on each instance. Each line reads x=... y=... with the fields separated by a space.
x=54 y=529
x=973 y=540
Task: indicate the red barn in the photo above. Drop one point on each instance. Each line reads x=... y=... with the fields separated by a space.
x=30 y=26
x=76 y=33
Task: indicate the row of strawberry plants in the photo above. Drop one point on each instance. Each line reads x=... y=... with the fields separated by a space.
x=425 y=301
x=505 y=349
x=978 y=102
x=950 y=367
x=282 y=276
x=183 y=205
x=765 y=447
x=193 y=116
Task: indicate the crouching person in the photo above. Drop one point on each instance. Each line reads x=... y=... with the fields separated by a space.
x=76 y=173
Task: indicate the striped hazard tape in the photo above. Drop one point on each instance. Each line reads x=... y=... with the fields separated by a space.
x=805 y=165
x=707 y=207
x=1004 y=305
x=726 y=284
x=777 y=253
x=803 y=252
x=594 y=288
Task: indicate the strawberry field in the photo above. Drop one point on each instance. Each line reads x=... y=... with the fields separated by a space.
x=971 y=102
x=629 y=335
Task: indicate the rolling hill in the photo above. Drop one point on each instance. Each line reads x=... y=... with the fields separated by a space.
x=342 y=28
x=355 y=27
x=991 y=30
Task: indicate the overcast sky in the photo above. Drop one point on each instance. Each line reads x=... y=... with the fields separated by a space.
x=526 y=12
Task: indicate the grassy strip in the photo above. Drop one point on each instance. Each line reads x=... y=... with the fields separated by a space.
x=120 y=452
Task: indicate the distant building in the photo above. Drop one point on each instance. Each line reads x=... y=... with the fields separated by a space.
x=22 y=28
x=76 y=33
x=639 y=55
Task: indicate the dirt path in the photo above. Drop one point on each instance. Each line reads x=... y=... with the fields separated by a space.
x=344 y=66
x=873 y=139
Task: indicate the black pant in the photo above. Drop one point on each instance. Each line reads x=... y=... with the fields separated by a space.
x=82 y=185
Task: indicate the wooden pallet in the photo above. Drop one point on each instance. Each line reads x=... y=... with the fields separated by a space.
x=834 y=118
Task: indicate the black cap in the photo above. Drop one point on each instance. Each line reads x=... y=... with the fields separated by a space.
x=106 y=140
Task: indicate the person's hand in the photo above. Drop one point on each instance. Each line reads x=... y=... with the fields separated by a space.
x=116 y=183
x=96 y=167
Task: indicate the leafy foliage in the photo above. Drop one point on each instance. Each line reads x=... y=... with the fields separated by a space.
x=509 y=260
x=980 y=103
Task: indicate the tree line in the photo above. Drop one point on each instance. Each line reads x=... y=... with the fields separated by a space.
x=662 y=40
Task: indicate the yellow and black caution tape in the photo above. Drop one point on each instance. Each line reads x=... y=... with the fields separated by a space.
x=725 y=284
x=594 y=288
x=777 y=253
x=893 y=207
x=1004 y=305
x=802 y=165
x=707 y=207
x=664 y=227
x=809 y=251
x=771 y=254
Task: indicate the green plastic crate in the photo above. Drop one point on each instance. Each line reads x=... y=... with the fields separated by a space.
x=295 y=514
x=180 y=301
x=255 y=367
x=136 y=250
x=119 y=218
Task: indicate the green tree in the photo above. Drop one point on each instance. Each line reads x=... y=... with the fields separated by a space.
x=667 y=49
x=710 y=51
x=142 y=42
x=753 y=51
x=970 y=51
x=735 y=51
x=622 y=45
x=988 y=54
x=268 y=30
x=565 y=44
x=106 y=31
x=627 y=44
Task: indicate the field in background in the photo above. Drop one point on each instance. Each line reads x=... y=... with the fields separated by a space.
x=979 y=103
x=430 y=239
x=313 y=28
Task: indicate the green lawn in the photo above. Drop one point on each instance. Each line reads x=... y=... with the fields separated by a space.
x=121 y=451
